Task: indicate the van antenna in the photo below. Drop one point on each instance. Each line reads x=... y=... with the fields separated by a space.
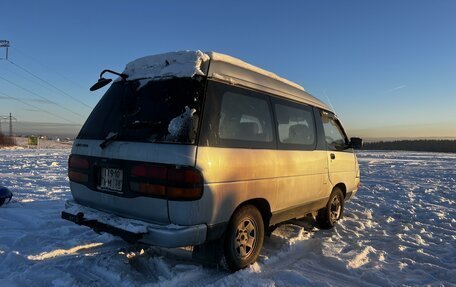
x=329 y=101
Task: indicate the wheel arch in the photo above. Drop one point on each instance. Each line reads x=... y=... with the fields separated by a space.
x=263 y=207
x=342 y=188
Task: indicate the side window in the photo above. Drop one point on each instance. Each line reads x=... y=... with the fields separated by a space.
x=334 y=134
x=244 y=118
x=295 y=125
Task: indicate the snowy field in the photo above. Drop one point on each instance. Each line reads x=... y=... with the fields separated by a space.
x=399 y=230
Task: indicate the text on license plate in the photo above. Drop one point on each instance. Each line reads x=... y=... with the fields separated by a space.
x=111 y=178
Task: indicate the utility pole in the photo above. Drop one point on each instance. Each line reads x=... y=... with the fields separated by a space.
x=1 y=119
x=9 y=118
x=5 y=44
x=11 y=125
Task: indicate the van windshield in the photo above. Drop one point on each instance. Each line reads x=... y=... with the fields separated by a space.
x=158 y=111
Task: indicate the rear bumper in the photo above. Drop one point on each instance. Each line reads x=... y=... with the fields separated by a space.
x=135 y=230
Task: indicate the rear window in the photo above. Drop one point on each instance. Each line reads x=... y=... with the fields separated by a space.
x=159 y=111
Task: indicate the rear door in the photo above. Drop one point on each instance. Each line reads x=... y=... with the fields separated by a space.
x=341 y=159
x=115 y=180
x=137 y=131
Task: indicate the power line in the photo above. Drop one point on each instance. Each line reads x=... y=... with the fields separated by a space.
x=13 y=70
x=48 y=68
x=38 y=108
x=29 y=80
x=38 y=101
x=42 y=97
x=56 y=88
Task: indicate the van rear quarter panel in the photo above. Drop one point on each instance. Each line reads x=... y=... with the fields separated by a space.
x=285 y=178
x=231 y=176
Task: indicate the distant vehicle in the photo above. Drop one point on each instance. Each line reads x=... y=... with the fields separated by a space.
x=203 y=149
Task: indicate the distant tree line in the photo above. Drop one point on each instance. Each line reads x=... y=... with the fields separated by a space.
x=413 y=145
x=6 y=140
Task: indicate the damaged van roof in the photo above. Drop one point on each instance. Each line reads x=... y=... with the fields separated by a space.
x=183 y=64
x=187 y=64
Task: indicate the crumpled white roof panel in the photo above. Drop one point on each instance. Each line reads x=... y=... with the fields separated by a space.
x=174 y=64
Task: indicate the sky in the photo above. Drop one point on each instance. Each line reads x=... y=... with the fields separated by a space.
x=388 y=68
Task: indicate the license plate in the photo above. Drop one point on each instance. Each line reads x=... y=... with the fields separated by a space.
x=111 y=179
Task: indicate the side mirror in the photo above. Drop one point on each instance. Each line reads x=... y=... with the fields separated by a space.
x=103 y=82
x=100 y=84
x=356 y=143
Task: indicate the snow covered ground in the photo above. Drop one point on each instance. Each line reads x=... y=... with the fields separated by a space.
x=399 y=230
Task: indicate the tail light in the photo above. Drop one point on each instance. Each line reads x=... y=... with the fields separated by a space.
x=174 y=183
x=184 y=184
x=156 y=172
x=78 y=168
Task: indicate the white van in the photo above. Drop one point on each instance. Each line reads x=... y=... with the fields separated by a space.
x=203 y=149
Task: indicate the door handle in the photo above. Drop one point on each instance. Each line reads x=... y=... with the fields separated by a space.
x=333 y=156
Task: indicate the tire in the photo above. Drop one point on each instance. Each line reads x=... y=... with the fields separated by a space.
x=243 y=238
x=328 y=216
